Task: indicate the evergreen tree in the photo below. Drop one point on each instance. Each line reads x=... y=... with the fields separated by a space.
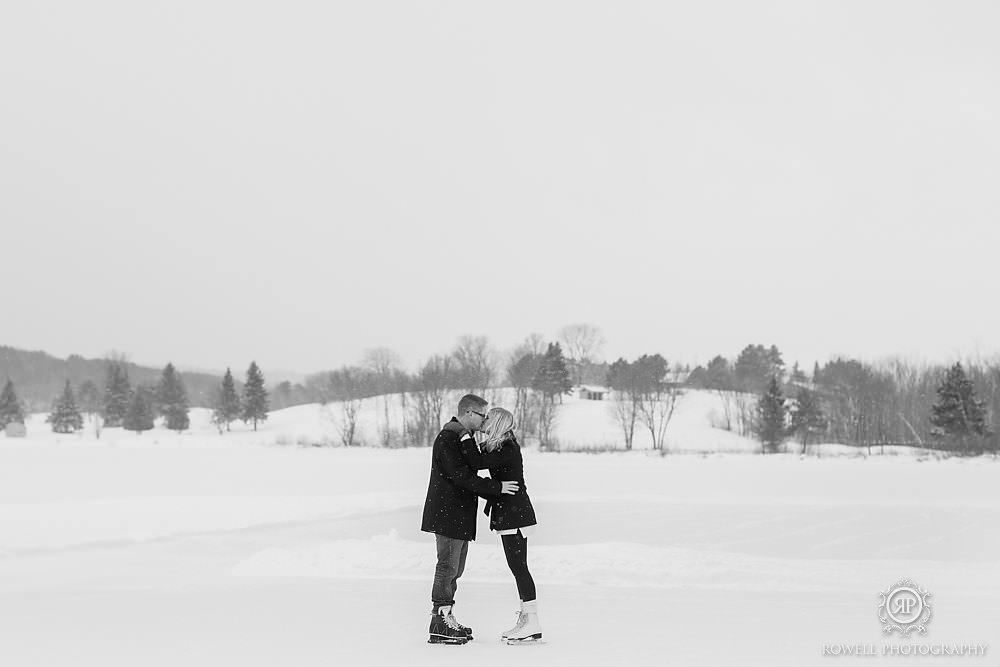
x=254 y=396
x=88 y=398
x=807 y=417
x=620 y=375
x=797 y=374
x=227 y=402
x=139 y=416
x=649 y=373
x=65 y=417
x=11 y=411
x=719 y=374
x=172 y=399
x=755 y=365
x=552 y=378
x=117 y=393
x=522 y=372
x=958 y=414
x=771 y=416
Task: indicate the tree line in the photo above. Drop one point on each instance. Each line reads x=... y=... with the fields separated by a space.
x=848 y=401
x=135 y=408
x=539 y=373
x=472 y=365
x=845 y=401
x=39 y=376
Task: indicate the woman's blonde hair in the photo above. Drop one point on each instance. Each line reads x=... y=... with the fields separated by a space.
x=499 y=424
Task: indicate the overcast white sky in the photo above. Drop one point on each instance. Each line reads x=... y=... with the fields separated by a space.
x=209 y=182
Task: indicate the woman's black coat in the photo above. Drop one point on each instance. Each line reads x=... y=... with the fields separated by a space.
x=507 y=512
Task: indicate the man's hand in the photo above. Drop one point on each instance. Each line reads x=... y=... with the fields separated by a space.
x=510 y=487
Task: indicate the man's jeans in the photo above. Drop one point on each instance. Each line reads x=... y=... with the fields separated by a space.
x=450 y=566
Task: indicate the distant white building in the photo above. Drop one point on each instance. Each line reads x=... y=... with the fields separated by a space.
x=591 y=392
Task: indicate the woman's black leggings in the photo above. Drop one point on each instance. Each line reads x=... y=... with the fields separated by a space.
x=515 y=547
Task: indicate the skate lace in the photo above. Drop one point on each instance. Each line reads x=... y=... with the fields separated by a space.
x=452 y=622
x=522 y=618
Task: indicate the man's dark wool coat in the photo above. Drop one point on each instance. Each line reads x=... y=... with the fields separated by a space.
x=454 y=488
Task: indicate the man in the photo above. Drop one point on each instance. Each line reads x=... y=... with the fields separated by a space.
x=450 y=511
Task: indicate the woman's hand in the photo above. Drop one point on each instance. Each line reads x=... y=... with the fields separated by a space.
x=509 y=487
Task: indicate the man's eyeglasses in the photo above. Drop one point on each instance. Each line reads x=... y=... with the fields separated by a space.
x=481 y=415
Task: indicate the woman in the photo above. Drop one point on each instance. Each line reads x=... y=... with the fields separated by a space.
x=513 y=517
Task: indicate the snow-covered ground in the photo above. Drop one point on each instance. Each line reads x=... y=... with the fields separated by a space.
x=248 y=549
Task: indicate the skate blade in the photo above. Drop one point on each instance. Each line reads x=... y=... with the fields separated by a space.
x=533 y=639
x=440 y=639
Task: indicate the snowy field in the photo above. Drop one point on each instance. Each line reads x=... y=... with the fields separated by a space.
x=255 y=549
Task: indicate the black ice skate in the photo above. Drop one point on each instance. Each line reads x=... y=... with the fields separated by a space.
x=445 y=630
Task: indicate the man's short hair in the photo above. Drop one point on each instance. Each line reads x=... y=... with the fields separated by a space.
x=471 y=402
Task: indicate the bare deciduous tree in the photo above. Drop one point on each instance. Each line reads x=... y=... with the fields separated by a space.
x=348 y=385
x=546 y=423
x=909 y=407
x=475 y=363
x=624 y=408
x=583 y=344
x=656 y=407
x=728 y=403
x=431 y=386
x=745 y=410
x=384 y=363
x=349 y=410
x=625 y=398
x=533 y=344
x=656 y=396
x=403 y=385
